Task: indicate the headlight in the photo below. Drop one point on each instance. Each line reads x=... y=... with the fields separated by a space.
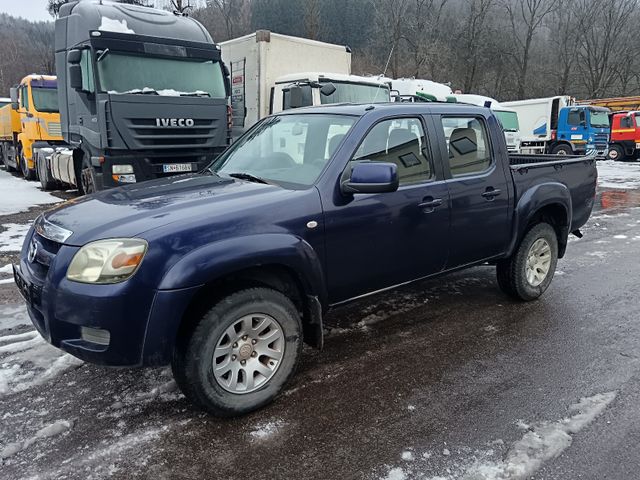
x=107 y=261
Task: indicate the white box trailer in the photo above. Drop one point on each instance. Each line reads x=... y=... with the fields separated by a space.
x=507 y=116
x=257 y=60
x=539 y=116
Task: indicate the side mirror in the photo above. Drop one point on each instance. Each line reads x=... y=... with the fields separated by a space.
x=295 y=96
x=328 y=89
x=13 y=93
x=75 y=76
x=371 y=177
x=74 y=56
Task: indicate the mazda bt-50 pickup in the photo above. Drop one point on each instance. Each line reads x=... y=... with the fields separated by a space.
x=225 y=273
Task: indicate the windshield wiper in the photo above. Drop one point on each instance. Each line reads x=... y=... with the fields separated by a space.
x=248 y=177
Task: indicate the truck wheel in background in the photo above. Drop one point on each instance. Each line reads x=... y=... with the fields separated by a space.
x=615 y=153
x=44 y=173
x=87 y=183
x=239 y=356
x=5 y=160
x=562 y=150
x=529 y=271
x=27 y=173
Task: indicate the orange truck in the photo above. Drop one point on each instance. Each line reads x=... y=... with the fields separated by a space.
x=30 y=123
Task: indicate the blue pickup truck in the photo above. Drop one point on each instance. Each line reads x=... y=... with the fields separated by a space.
x=225 y=273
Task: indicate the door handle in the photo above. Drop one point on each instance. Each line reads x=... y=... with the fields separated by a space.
x=429 y=204
x=491 y=193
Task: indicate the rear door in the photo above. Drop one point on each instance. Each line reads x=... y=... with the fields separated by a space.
x=478 y=188
x=375 y=241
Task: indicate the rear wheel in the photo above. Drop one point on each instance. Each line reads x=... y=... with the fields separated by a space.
x=239 y=356
x=528 y=272
x=44 y=173
x=562 y=150
x=616 y=153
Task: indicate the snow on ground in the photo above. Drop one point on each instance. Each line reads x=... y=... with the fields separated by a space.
x=266 y=430
x=13 y=316
x=26 y=359
x=12 y=238
x=19 y=195
x=541 y=443
x=619 y=174
x=48 y=431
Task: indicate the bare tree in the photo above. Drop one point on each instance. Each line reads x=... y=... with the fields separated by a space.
x=312 y=21
x=526 y=18
x=475 y=39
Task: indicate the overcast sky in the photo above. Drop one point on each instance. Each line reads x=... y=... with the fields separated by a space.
x=30 y=9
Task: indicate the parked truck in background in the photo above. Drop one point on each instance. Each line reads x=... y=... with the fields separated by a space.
x=507 y=116
x=557 y=125
x=237 y=265
x=268 y=68
x=406 y=89
x=625 y=136
x=143 y=94
x=29 y=122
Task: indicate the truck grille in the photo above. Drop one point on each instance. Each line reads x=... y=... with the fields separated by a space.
x=601 y=139
x=148 y=134
x=54 y=130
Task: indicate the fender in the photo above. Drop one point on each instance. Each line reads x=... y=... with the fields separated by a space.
x=532 y=201
x=224 y=257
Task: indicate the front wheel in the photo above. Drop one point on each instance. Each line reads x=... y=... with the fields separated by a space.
x=562 y=150
x=615 y=153
x=528 y=272
x=27 y=173
x=239 y=355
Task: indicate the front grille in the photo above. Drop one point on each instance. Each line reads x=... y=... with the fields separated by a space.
x=148 y=134
x=54 y=129
x=45 y=253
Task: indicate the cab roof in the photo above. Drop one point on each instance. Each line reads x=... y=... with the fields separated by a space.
x=390 y=108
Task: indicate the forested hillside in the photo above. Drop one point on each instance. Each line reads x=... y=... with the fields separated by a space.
x=504 y=48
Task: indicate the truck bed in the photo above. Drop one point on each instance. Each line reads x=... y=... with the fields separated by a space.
x=577 y=173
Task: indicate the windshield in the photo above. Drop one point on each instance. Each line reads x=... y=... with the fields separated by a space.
x=357 y=93
x=509 y=120
x=286 y=149
x=599 y=119
x=124 y=73
x=45 y=99
x=3 y=103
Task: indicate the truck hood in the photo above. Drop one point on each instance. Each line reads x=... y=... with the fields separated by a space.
x=129 y=211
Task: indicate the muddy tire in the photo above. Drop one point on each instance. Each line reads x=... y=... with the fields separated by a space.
x=240 y=354
x=616 y=153
x=529 y=272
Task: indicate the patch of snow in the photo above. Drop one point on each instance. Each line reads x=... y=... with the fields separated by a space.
x=12 y=238
x=446 y=452
x=12 y=316
x=620 y=237
x=395 y=474
x=597 y=254
x=266 y=430
x=407 y=456
x=166 y=92
x=411 y=408
x=6 y=269
x=621 y=175
x=19 y=195
x=49 y=431
x=6 y=281
x=113 y=25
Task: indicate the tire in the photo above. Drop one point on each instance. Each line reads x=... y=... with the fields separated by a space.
x=562 y=149
x=88 y=183
x=27 y=173
x=616 y=153
x=210 y=341
x=516 y=278
x=44 y=173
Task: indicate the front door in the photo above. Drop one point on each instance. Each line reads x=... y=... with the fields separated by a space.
x=478 y=188
x=374 y=241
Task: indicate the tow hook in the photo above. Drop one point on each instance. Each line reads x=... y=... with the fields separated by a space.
x=577 y=233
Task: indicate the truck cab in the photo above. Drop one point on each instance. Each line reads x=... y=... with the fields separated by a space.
x=625 y=136
x=313 y=88
x=585 y=129
x=32 y=121
x=143 y=93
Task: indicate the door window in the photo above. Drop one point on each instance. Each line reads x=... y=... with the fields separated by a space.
x=24 y=98
x=468 y=145
x=625 y=122
x=400 y=141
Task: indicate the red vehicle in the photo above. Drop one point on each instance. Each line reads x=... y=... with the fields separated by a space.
x=624 y=143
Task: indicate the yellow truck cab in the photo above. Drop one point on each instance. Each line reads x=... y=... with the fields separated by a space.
x=29 y=123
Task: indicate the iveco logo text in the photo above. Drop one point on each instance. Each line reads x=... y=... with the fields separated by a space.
x=175 y=122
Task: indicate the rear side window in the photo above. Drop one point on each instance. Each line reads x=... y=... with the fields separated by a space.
x=400 y=141
x=468 y=145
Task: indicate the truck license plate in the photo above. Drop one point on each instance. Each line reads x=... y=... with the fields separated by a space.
x=176 y=167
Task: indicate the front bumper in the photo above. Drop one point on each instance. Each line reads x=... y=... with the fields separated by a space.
x=142 y=323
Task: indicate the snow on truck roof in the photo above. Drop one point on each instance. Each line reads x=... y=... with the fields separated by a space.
x=267 y=35
x=84 y=16
x=480 y=101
